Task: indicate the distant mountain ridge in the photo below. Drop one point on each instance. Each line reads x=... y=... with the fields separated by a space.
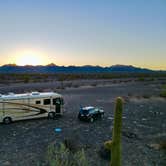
x=52 y=68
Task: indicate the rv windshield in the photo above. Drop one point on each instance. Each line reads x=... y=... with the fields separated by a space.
x=58 y=101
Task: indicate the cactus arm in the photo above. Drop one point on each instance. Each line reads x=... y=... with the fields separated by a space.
x=108 y=144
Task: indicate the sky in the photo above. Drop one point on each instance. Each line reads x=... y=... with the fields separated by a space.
x=83 y=32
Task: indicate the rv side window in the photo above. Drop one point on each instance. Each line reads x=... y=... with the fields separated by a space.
x=58 y=101
x=38 y=102
x=47 y=101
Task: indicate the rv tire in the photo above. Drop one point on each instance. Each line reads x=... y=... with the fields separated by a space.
x=51 y=115
x=7 y=120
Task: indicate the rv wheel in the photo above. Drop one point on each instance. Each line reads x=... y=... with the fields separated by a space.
x=51 y=115
x=7 y=120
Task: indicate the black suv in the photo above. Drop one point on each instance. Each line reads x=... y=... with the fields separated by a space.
x=90 y=113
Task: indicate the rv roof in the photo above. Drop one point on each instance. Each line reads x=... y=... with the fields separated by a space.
x=30 y=95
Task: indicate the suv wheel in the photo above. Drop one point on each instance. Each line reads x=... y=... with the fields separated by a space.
x=102 y=115
x=51 y=115
x=91 y=119
x=7 y=120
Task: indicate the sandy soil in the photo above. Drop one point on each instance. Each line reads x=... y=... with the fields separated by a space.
x=25 y=142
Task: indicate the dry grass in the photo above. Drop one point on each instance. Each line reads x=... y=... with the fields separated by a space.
x=59 y=155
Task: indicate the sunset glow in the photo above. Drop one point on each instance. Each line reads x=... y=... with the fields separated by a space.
x=30 y=58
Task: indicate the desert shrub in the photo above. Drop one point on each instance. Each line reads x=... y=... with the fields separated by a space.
x=164 y=86
x=71 y=144
x=114 y=81
x=158 y=146
x=26 y=78
x=76 y=86
x=146 y=96
x=69 y=84
x=163 y=144
x=151 y=79
x=141 y=79
x=105 y=153
x=94 y=84
x=163 y=93
x=80 y=159
x=59 y=155
x=129 y=94
x=58 y=87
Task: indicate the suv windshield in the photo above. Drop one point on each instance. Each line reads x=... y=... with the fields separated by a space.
x=85 y=111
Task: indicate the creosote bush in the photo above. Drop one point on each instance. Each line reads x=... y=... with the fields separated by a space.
x=59 y=155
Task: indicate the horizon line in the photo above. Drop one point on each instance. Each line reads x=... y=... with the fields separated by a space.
x=53 y=64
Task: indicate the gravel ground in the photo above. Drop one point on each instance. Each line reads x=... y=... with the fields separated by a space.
x=25 y=142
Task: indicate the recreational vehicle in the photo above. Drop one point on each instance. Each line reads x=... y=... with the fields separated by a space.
x=30 y=105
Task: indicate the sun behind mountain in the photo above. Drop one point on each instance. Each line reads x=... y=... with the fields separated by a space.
x=30 y=58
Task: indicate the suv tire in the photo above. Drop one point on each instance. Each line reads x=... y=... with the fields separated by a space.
x=91 y=119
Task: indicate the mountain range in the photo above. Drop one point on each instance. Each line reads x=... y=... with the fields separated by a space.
x=52 y=68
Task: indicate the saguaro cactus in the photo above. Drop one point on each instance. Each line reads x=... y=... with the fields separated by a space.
x=115 y=144
x=116 y=141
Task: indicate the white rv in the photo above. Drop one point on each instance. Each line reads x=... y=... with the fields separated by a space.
x=30 y=105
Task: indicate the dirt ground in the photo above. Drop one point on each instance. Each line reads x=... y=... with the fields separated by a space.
x=144 y=126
